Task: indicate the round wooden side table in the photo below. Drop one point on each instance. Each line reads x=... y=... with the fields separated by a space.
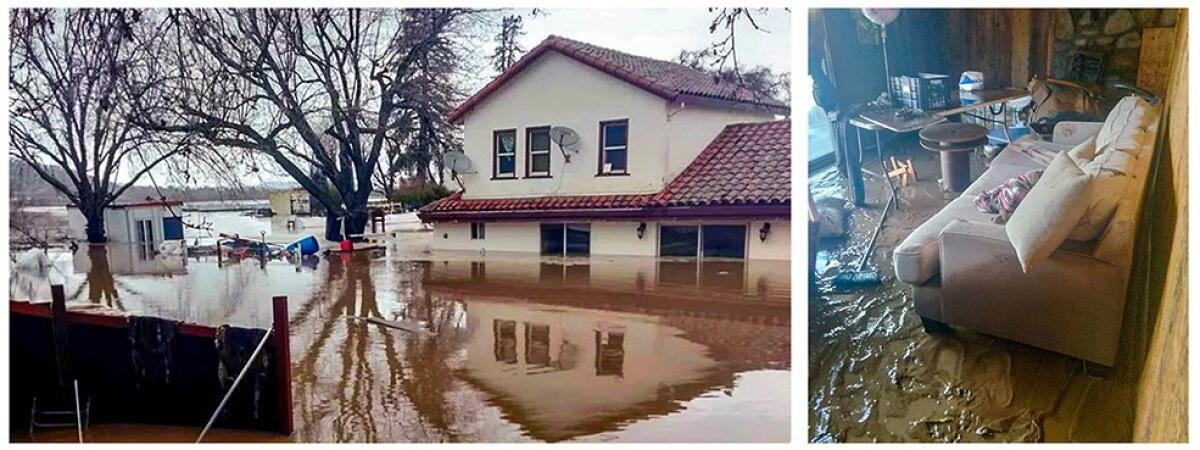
x=954 y=143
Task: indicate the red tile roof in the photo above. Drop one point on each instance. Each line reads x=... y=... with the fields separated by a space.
x=745 y=170
x=669 y=80
x=747 y=164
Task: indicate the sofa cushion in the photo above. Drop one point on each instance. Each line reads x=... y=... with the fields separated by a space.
x=916 y=259
x=1125 y=126
x=1049 y=213
x=1028 y=152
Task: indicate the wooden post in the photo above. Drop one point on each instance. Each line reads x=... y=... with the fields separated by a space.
x=283 y=362
x=62 y=337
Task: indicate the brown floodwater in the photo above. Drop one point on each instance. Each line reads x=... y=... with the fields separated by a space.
x=521 y=348
x=876 y=376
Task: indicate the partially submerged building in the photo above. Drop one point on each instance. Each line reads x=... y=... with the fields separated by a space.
x=134 y=222
x=580 y=150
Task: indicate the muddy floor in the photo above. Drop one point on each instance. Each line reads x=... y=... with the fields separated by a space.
x=876 y=376
x=517 y=348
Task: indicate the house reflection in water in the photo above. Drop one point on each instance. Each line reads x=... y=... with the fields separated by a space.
x=564 y=372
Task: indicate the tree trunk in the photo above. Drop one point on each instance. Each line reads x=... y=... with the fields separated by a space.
x=95 y=225
x=356 y=223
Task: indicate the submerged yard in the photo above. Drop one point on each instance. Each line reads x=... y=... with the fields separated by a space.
x=517 y=348
x=876 y=375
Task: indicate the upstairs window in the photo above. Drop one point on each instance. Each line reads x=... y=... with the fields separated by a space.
x=537 y=152
x=614 y=147
x=504 y=149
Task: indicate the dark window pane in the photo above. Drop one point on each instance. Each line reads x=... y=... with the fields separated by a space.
x=615 y=135
x=539 y=140
x=537 y=345
x=540 y=163
x=725 y=241
x=552 y=239
x=508 y=165
x=504 y=341
x=615 y=159
x=678 y=240
x=506 y=143
x=610 y=353
x=172 y=228
x=579 y=239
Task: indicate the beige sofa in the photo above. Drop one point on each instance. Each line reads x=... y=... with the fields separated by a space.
x=964 y=271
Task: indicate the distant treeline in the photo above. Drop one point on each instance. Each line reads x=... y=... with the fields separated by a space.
x=25 y=184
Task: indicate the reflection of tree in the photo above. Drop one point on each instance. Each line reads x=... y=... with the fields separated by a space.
x=418 y=371
x=101 y=285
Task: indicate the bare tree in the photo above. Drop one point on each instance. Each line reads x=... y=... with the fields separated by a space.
x=320 y=93
x=73 y=76
x=508 y=50
x=721 y=57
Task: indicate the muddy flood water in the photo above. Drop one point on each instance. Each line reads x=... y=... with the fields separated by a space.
x=875 y=375
x=600 y=349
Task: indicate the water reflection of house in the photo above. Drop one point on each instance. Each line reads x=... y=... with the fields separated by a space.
x=664 y=162
x=565 y=372
x=147 y=221
x=127 y=259
x=720 y=279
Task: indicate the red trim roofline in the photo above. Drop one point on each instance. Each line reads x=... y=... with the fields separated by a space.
x=560 y=45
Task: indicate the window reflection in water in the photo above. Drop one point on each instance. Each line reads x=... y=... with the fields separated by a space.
x=725 y=275
x=610 y=353
x=505 y=342
x=537 y=344
x=683 y=272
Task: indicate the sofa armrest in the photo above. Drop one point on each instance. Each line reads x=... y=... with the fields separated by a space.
x=1074 y=133
x=1071 y=303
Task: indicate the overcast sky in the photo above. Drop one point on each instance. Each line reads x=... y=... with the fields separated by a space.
x=655 y=33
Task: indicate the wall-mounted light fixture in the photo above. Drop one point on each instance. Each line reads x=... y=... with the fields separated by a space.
x=641 y=230
x=764 y=231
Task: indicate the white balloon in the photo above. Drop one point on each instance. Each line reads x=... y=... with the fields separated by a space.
x=881 y=16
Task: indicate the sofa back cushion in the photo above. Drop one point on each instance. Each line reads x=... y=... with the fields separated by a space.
x=1125 y=128
x=1049 y=212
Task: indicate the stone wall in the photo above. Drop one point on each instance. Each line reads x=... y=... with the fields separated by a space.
x=1114 y=33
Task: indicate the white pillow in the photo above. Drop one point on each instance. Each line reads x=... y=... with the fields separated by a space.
x=1110 y=176
x=1084 y=152
x=1049 y=212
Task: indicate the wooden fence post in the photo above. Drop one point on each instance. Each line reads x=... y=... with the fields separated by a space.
x=62 y=336
x=283 y=363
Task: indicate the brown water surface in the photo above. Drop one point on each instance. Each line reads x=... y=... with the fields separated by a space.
x=876 y=376
x=519 y=348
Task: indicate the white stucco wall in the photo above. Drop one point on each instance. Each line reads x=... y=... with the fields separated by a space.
x=559 y=91
x=608 y=238
x=778 y=245
x=692 y=128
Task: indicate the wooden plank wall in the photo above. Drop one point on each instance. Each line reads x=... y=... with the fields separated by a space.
x=1154 y=61
x=1161 y=414
x=1008 y=45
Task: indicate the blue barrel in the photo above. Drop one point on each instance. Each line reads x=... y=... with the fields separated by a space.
x=307 y=245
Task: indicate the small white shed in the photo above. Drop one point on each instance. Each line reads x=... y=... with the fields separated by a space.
x=135 y=222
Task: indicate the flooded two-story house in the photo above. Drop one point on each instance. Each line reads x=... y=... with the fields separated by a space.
x=578 y=151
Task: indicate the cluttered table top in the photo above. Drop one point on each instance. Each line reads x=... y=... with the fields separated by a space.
x=904 y=120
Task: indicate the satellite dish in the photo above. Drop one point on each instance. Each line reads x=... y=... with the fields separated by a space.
x=458 y=162
x=567 y=140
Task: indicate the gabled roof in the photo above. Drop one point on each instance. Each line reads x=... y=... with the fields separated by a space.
x=669 y=80
x=745 y=171
x=747 y=164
